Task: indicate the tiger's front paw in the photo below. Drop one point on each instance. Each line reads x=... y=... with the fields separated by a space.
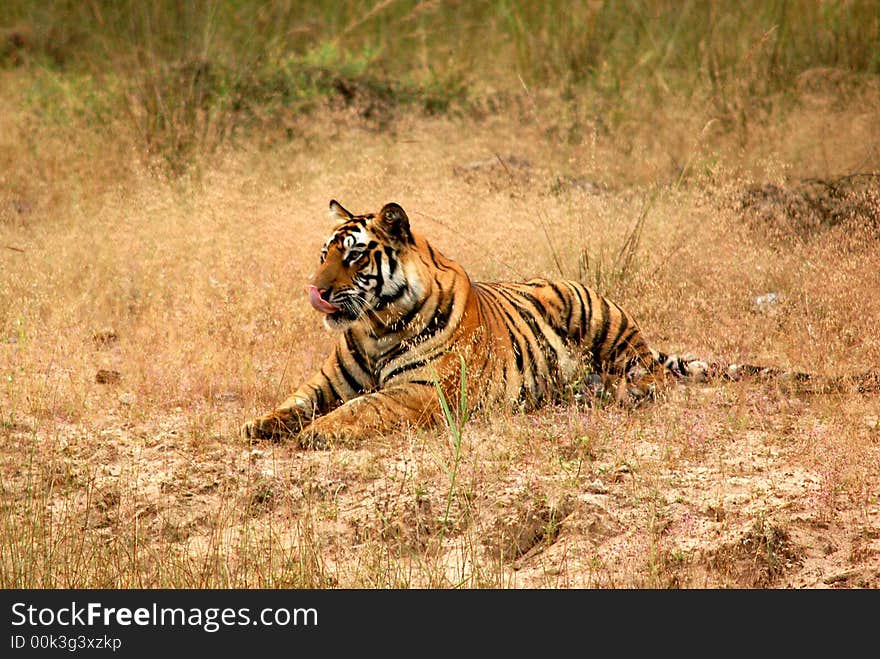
x=273 y=426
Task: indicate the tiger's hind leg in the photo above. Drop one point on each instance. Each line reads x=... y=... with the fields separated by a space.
x=630 y=374
x=642 y=382
x=627 y=382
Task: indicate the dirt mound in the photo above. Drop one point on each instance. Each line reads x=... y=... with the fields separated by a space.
x=812 y=206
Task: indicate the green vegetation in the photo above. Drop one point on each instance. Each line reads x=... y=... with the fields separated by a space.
x=188 y=76
x=455 y=422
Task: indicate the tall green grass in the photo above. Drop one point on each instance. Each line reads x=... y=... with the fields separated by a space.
x=189 y=75
x=455 y=421
x=545 y=41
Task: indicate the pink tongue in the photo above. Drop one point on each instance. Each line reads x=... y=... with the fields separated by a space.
x=320 y=303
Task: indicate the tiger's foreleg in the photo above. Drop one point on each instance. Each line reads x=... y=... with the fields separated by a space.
x=340 y=379
x=370 y=415
x=287 y=420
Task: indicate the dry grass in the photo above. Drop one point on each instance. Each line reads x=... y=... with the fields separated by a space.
x=191 y=291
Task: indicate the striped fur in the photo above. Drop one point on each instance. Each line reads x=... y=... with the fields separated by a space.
x=407 y=315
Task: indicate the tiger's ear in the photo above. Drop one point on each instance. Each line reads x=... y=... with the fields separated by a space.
x=394 y=221
x=338 y=213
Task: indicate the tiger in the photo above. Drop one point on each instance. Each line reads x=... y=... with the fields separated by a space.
x=415 y=331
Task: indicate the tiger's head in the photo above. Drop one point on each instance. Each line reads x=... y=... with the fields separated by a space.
x=364 y=267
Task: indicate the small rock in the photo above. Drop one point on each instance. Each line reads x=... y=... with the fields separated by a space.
x=107 y=376
x=127 y=398
x=767 y=302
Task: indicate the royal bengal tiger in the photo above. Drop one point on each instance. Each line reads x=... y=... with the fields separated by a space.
x=409 y=316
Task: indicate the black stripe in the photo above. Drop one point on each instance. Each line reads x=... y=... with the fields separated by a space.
x=433 y=256
x=586 y=309
x=385 y=300
x=511 y=326
x=366 y=277
x=526 y=314
x=356 y=354
x=424 y=383
x=566 y=303
x=333 y=389
x=320 y=401
x=624 y=323
x=392 y=262
x=622 y=343
x=559 y=330
x=355 y=386
x=378 y=277
x=602 y=334
x=405 y=319
x=517 y=352
x=529 y=298
x=490 y=302
x=551 y=356
x=441 y=316
x=409 y=366
x=435 y=325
